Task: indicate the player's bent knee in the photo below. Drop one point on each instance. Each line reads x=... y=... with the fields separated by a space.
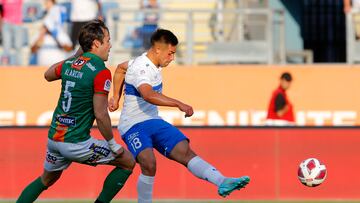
x=49 y=178
x=148 y=168
x=126 y=161
x=182 y=154
x=130 y=165
x=188 y=157
x=190 y=153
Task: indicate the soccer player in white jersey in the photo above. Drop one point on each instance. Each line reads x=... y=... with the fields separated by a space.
x=141 y=127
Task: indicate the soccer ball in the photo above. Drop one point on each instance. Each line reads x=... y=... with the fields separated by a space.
x=312 y=172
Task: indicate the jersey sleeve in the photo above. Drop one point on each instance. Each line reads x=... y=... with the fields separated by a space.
x=102 y=82
x=58 y=70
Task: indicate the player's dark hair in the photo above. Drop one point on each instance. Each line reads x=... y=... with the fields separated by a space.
x=164 y=36
x=94 y=30
x=286 y=76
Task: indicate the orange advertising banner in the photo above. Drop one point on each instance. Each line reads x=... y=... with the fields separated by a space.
x=222 y=95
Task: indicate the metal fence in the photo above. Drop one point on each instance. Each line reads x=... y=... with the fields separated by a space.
x=353 y=36
x=205 y=36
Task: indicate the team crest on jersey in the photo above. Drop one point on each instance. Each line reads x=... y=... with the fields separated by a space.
x=107 y=85
x=80 y=62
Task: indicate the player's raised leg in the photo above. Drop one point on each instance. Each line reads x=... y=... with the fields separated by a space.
x=182 y=153
x=231 y=184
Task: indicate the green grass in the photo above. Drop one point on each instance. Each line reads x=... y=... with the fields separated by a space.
x=186 y=201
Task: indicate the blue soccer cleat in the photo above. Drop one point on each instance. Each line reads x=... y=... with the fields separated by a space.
x=231 y=184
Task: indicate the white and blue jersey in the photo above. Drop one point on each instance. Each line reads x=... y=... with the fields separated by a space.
x=140 y=124
x=135 y=109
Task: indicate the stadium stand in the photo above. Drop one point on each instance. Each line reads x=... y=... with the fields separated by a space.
x=208 y=30
x=200 y=36
x=237 y=52
x=106 y=6
x=32 y=11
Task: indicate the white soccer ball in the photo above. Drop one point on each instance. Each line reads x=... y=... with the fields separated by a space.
x=312 y=172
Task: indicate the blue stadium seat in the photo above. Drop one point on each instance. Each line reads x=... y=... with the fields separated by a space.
x=106 y=6
x=32 y=11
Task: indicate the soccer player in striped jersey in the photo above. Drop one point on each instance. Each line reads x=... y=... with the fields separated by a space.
x=85 y=84
x=141 y=127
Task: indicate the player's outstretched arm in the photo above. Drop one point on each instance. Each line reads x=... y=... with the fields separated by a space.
x=104 y=123
x=158 y=99
x=118 y=81
x=53 y=73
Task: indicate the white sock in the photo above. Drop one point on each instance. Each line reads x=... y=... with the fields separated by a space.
x=204 y=170
x=145 y=188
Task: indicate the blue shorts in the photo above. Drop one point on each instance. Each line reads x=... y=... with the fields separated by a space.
x=154 y=133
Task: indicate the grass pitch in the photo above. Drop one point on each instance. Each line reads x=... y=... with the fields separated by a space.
x=186 y=201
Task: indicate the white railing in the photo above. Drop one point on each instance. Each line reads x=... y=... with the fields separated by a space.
x=352 y=42
x=196 y=38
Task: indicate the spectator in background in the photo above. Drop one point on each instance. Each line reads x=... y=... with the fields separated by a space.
x=82 y=12
x=150 y=21
x=12 y=31
x=53 y=43
x=280 y=111
x=133 y=41
x=348 y=5
x=138 y=38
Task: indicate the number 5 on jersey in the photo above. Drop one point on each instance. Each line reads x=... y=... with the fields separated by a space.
x=67 y=95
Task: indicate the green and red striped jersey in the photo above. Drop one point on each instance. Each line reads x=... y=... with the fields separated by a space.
x=74 y=116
